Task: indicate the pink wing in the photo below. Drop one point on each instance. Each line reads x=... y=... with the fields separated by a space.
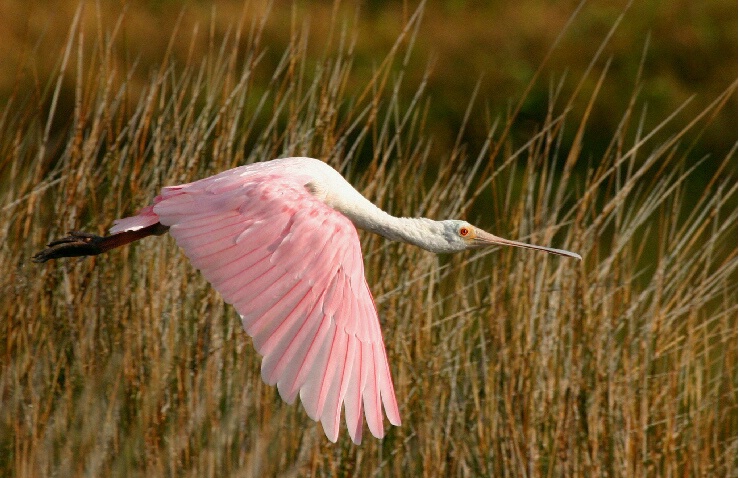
x=292 y=267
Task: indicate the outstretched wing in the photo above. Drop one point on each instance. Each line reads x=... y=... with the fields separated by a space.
x=292 y=267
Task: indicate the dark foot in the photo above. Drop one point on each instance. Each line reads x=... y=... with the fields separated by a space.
x=76 y=244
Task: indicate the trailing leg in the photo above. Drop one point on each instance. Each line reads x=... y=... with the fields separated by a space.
x=78 y=244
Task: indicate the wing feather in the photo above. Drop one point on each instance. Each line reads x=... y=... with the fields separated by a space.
x=386 y=386
x=301 y=355
x=292 y=267
x=302 y=368
x=274 y=316
x=225 y=264
x=304 y=325
x=203 y=223
x=221 y=236
x=279 y=308
x=353 y=397
x=331 y=416
x=210 y=226
x=268 y=328
x=371 y=392
x=220 y=260
x=336 y=358
x=311 y=389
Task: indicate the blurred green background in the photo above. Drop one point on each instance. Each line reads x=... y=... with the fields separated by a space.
x=691 y=50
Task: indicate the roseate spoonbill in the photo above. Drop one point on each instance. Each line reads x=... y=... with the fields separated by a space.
x=277 y=240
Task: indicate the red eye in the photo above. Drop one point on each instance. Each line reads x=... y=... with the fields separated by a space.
x=464 y=231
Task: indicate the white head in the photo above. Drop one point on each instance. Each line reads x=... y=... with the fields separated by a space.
x=453 y=236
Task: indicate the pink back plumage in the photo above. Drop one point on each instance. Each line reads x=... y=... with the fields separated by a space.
x=292 y=267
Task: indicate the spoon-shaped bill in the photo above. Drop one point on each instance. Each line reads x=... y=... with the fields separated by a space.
x=483 y=238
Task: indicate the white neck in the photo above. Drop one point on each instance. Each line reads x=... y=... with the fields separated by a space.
x=340 y=195
x=419 y=231
x=422 y=232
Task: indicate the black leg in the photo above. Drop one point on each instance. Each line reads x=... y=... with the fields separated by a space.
x=78 y=244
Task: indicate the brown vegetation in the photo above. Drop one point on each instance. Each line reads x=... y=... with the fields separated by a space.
x=506 y=363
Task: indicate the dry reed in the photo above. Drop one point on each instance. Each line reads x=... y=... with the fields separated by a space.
x=506 y=362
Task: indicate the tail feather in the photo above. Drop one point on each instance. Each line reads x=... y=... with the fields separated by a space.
x=145 y=218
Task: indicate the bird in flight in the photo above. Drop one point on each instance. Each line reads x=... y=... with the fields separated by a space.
x=277 y=240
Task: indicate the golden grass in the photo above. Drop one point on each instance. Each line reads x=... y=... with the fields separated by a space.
x=506 y=362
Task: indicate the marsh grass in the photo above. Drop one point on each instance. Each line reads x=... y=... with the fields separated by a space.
x=505 y=362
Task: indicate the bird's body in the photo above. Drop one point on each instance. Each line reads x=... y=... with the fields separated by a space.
x=278 y=241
